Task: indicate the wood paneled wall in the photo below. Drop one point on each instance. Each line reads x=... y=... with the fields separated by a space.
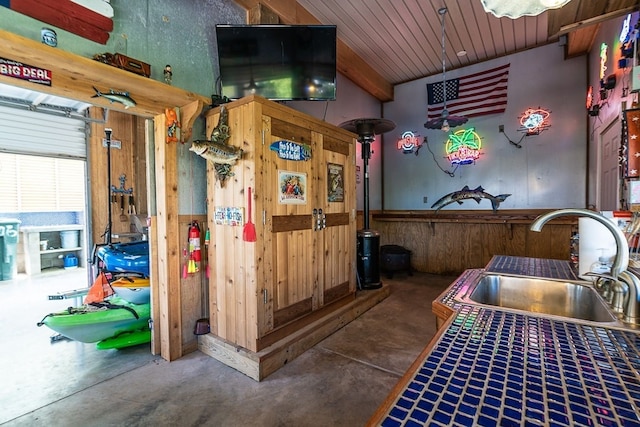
x=194 y=290
x=453 y=242
x=129 y=160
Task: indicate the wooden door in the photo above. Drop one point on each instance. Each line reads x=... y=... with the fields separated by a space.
x=291 y=194
x=312 y=239
x=337 y=200
x=609 y=172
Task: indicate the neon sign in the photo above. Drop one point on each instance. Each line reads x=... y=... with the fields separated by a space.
x=409 y=142
x=534 y=121
x=463 y=147
x=626 y=29
x=589 y=102
x=603 y=60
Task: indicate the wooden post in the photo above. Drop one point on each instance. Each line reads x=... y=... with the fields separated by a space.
x=261 y=14
x=167 y=232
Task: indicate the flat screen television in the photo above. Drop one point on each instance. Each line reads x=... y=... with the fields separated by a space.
x=277 y=62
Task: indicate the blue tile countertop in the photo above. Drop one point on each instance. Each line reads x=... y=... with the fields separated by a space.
x=489 y=367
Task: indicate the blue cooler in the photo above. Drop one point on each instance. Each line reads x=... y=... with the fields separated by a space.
x=127 y=257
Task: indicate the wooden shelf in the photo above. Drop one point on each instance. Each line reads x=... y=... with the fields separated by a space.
x=75 y=76
x=54 y=251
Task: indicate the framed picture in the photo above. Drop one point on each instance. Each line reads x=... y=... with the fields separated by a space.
x=335 y=182
x=292 y=188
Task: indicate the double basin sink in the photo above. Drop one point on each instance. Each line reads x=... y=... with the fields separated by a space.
x=566 y=299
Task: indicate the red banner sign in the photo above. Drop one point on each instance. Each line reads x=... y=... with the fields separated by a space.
x=18 y=70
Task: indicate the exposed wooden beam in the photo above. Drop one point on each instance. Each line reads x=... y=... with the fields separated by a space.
x=74 y=76
x=348 y=62
x=565 y=29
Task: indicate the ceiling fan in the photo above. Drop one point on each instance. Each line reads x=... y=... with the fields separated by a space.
x=445 y=121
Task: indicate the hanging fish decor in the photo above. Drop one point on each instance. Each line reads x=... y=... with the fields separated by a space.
x=217 y=149
x=113 y=96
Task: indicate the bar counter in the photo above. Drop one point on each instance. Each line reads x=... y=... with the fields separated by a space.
x=489 y=367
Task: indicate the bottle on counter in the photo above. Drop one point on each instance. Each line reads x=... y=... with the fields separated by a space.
x=602 y=265
x=574 y=249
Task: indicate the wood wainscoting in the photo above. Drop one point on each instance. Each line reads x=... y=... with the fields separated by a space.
x=453 y=241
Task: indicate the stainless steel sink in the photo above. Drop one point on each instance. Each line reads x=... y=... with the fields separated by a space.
x=545 y=296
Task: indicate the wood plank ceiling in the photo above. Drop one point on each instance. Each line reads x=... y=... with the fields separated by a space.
x=387 y=42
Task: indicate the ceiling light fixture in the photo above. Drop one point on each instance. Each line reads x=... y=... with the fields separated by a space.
x=516 y=9
x=445 y=122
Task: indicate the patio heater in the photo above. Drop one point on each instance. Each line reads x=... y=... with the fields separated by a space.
x=368 y=261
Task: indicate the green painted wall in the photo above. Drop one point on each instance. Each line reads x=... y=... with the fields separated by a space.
x=182 y=33
x=159 y=32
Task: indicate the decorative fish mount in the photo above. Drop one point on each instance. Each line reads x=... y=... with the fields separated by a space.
x=217 y=150
x=113 y=96
x=466 y=193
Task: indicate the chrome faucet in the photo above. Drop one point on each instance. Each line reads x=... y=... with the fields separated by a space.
x=619 y=272
x=621 y=260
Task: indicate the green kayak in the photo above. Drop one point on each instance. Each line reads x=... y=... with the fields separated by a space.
x=99 y=321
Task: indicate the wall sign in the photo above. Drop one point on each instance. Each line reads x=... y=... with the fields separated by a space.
x=603 y=59
x=463 y=147
x=409 y=142
x=534 y=120
x=626 y=30
x=18 y=70
x=290 y=150
x=233 y=216
x=335 y=182
x=292 y=188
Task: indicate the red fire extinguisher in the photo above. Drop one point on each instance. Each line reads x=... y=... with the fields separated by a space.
x=195 y=255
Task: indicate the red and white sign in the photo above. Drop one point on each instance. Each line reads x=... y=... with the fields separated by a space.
x=18 y=70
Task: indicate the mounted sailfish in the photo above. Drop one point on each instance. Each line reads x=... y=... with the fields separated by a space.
x=466 y=193
x=217 y=150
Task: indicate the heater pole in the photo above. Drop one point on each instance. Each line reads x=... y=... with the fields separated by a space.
x=368 y=241
x=366 y=155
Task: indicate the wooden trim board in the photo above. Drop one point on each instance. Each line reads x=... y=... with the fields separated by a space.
x=265 y=362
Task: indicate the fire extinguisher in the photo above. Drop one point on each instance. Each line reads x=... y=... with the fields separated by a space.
x=195 y=256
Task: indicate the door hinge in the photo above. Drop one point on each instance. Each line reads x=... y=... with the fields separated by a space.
x=262 y=136
x=265 y=293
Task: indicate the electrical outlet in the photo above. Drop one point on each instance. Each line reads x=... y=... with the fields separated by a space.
x=424 y=199
x=501 y=128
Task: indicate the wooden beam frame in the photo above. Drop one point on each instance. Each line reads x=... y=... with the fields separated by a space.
x=73 y=77
x=348 y=62
x=566 y=29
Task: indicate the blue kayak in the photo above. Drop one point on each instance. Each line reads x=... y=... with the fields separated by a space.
x=129 y=257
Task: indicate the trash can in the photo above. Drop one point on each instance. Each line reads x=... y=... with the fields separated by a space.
x=8 y=247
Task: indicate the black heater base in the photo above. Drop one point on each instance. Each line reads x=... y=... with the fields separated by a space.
x=369 y=259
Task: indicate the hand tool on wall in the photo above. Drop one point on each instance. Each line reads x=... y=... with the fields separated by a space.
x=123 y=217
x=249 y=231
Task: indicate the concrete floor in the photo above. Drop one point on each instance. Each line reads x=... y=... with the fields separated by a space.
x=339 y=382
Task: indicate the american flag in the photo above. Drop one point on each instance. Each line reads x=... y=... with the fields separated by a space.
x=471 y=96
x=631 y=156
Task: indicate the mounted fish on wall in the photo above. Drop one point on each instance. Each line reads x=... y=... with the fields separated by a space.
x=113 y=96
x=217 y=149
x=466 y=193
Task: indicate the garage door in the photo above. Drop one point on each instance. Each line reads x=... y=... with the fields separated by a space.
x=23 y=131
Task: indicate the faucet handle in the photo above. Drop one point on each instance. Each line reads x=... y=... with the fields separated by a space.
x=600 y=275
